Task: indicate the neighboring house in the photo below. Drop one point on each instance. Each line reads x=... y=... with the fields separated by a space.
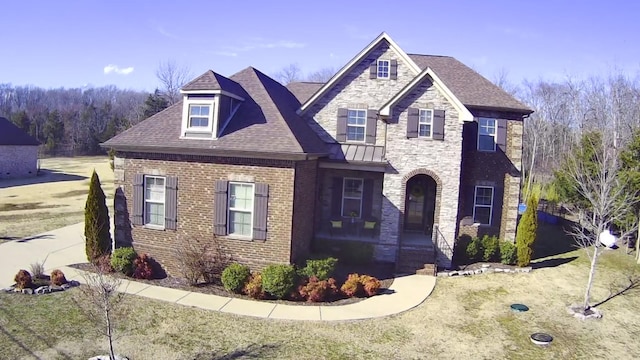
x=18 y=151
x=397 y=151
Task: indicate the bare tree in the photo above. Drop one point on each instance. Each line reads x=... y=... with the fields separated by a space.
x=501 y=79
x=288 y=74
x=322 y=76
x=593 y=170
x=172 y=77
x=100 y=300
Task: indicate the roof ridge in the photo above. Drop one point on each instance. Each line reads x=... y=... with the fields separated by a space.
x=447 y=56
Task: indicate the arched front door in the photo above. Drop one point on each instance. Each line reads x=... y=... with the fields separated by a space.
x=420 y=204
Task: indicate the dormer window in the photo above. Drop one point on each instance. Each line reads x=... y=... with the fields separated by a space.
x=200 y=115
x=383 y=69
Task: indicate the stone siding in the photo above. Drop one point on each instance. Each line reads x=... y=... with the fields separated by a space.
x=18 y=161
x=196 y=178
x=440 y=159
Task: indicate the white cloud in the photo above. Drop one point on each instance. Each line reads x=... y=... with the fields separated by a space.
x=263 y=44
x=226 y=53
x=115 y=69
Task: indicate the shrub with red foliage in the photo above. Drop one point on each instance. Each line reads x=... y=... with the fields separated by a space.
x=319 y=290
x=23 y=279
x=370 y=284
x=253 y=287
x=57 y=277
x=352 y=287
x=360 y=285
x=142 y=267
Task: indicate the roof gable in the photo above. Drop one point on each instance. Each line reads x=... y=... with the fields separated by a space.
x=10 y=134
x=463 y=113
x=384 y=37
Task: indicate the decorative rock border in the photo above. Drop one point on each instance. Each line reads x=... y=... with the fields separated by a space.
x=484 y=270
x=46 y=289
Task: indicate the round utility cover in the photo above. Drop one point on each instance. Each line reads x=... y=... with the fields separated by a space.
x=519 y=307
x=541 y=338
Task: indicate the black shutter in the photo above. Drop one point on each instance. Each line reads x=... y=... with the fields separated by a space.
x=341 y=126
x=138 y=199
x=367 y=199
x=220 y=208
x=393 y=73
x=373 y=70
x=470 y=200
x=472 y=140
x=171 y=203
x=496 y=206
x=336 y=198
x=438 y=125
x=502 y=135
x=412 y=122
x=260 y=211
x=372 y=122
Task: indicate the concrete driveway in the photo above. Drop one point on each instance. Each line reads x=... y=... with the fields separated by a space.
x=56 y=248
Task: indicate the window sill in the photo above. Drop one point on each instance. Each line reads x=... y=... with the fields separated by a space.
x=487 y=151
x=239 y=237
x=153 y=227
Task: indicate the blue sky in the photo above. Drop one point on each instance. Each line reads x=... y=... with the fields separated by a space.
x=75 y=43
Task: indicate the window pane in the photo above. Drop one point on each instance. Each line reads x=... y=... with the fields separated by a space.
x=198 y=122
x=351 y=206
x=425 y=116
x=355 y=133
x=240 y=223
x=487 y=126
x=483 y=196
x=154 y=189
x=383 y=68
x=154 y=214
x=356 y=117
x=482 y=215
x=353 y=188
x=424 y=130
x=241 y=196
x=486 y=143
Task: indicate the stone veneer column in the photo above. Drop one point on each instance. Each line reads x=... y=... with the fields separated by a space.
x=390 y=223
x=512 y=183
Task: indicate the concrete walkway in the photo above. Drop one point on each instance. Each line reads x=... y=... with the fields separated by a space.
x=65 y=246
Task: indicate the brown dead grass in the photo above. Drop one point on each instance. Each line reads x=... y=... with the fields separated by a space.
x=465 y=318
x=52 y=200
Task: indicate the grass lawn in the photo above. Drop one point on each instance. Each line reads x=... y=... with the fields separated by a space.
x=465 y=317
x=53 y=199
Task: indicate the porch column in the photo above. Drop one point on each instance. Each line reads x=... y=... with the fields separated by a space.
x=390 y=222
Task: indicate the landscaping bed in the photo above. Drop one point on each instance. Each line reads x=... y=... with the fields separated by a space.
x=382 y=272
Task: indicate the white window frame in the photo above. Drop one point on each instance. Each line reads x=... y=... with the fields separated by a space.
x=475 y=205
x=363 y=126
x=250 y=211
x=494 y=135
x=146 y=201
x=213 y=117
x=429 y=122
x=208 y=117
x=344 y=182
x=381 y=63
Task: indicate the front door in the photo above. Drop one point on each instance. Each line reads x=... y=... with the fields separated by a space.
x=419 y=204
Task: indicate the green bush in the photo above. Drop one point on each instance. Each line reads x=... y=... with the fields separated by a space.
x=320 y=268
x=491 y=248
x=122 y=260
x=278 y=280
x=96 y=222
x=474 y=250
x=235 y=276
x=508 y=253
x=526 y=235
x=460 y=250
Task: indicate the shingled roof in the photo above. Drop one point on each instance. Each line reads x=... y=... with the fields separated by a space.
x=13 y=135
x=265 y=124
x=213 y=81
x=304 y=90
x=471 y=88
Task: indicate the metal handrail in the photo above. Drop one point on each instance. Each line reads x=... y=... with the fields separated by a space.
x=442 y=246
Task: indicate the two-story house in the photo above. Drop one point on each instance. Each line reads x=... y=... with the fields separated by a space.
x=403 y=152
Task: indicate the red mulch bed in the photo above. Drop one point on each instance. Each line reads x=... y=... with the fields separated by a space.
x=382 y=271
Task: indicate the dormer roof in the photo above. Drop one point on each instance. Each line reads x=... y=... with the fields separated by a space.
x=214 y=82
